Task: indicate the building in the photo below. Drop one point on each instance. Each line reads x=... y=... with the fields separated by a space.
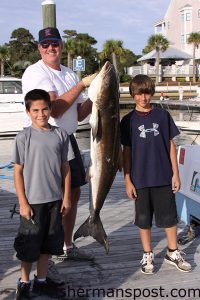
x=181 y=19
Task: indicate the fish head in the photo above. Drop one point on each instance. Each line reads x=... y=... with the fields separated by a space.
x=104 y=85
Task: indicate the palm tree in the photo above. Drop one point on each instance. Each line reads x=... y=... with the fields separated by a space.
x=113 y=48
x=3 y=57
x=19 y=67
x=78 y=44
x=69 y=34
x=159 y=43
x=70 y=47
x=194 y=39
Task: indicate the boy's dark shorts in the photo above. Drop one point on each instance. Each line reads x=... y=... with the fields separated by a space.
x=46 y=236
x=76 y=166
x=157 y=201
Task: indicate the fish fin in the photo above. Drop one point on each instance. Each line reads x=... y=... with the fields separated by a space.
x=120 y=159
x=94 y=229
x=95 y=121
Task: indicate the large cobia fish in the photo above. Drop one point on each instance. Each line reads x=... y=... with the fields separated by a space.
x=105 y=149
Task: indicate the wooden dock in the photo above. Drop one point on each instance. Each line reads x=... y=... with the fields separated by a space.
x=114 y=276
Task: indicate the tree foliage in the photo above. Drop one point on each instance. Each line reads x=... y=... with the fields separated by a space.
x=4 y=57
x=158 y=43
x=69 y=34
x=22 y=47
x=79 y=44
x=194 y=39
x=21 y=50
x=22 y=44
x=112 y=49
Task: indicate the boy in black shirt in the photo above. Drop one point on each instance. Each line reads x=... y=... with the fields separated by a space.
x=151 y=171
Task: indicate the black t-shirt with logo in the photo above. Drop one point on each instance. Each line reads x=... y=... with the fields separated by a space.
x=149 y=135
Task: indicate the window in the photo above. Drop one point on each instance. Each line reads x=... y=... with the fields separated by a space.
x=188 y=16
x=198 y=13
x=10 y=87
x=182 y=39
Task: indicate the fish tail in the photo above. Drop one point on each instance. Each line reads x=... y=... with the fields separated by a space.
x=95 y=229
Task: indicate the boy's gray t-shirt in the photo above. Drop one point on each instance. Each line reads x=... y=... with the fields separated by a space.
x=42 y=154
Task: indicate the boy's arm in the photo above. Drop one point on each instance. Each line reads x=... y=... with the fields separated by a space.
x=66 y=178
x=175 y=178
x=24 y=207
x=130 y=189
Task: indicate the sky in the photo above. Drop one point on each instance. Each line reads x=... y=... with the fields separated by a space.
x=131 y=21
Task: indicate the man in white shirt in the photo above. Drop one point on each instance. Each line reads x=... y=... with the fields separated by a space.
x=68 y=107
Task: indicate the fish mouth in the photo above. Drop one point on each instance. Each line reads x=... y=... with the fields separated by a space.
x=107 y=67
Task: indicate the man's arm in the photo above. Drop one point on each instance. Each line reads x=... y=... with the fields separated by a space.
x=62 y=103
x=24 y=207
x=175 y=178
x=130 y=189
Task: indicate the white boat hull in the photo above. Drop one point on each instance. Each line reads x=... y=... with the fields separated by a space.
x=188 y=198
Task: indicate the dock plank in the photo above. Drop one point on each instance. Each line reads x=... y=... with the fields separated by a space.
x=119 y=271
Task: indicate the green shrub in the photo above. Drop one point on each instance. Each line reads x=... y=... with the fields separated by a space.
x=125 y=78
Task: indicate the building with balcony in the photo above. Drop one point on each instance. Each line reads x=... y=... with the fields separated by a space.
x=181 y=19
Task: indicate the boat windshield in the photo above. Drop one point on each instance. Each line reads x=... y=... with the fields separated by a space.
x=10 y=87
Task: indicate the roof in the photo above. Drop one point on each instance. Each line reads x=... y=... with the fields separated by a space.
x=171 y=52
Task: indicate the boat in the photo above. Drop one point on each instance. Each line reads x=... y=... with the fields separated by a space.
x=189 y=126
x=188 y=197
x=12 y=116
x=11 y=105
x=10 y=90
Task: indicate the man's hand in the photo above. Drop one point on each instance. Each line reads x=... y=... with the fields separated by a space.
x=88 y=79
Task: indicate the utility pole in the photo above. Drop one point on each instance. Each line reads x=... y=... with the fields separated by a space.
x=49 y=13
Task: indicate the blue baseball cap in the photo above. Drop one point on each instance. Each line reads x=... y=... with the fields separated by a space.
x=49 y=33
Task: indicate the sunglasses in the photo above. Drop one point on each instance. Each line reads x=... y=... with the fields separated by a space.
x=45 y=45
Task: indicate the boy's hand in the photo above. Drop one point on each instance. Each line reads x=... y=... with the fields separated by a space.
x=176 y=184
x=26 y=211
x=131 y=190
x=65 y=208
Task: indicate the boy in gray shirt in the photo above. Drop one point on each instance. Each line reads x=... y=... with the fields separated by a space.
x=42 y=182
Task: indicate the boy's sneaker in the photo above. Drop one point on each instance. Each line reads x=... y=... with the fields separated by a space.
x=22 y=291
x=48 y=288
x=75 y=253
x=147 y=263
x=176 y=258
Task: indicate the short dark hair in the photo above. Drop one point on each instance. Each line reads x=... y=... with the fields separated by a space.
x=34 y=95
x=141 y=84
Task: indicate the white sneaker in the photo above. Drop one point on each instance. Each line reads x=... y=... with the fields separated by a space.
x=176 y=258
x=147 y=263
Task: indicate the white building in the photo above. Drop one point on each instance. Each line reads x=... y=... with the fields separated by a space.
x=182 y=18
